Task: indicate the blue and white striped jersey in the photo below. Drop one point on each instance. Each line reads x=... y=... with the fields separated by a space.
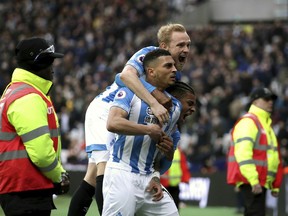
x=137 y=153
x=96 y=135
x=137 y=62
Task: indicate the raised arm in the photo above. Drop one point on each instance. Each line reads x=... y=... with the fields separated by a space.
x=129 y=77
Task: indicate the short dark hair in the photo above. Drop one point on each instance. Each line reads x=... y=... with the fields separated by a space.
x=179 y=89
x=153 y=55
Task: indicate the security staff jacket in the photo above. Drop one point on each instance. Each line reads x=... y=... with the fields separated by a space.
x=254 y=156
x=178 y=172
x=29 y=135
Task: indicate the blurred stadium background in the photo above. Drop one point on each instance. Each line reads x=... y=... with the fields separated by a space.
x=236 y=45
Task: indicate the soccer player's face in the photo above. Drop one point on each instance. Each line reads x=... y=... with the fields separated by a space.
x=188 y=102
x=165 y=72
x=179 y=48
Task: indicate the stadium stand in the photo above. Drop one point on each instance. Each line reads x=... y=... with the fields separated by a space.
x=97 y=37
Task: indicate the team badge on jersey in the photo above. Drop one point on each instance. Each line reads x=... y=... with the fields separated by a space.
x=150 y=118
x=140 y=58
x=120 y=94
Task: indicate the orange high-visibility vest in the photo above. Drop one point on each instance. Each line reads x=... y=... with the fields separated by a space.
x=17 y=172
x=178 y=172
x=259 y=157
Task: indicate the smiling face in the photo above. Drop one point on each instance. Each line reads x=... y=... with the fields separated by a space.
x=178 y=46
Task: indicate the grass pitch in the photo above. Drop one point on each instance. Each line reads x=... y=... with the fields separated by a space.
x=62 y=203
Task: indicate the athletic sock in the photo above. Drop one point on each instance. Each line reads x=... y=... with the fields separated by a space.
x=81 y=200
x=98 y=193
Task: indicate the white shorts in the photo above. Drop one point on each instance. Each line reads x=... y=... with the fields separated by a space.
x=97 y=137
x=125 y=193
x=98 y=156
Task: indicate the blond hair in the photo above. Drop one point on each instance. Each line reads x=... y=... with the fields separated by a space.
x=165 y=32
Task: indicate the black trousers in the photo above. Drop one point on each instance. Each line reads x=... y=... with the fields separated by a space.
x=255 y=205
x=28 y=203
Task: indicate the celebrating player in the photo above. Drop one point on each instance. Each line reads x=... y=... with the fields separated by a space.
x=171 y=37
x=131 y=164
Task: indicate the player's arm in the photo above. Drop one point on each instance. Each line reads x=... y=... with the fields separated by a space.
x=129 y=77
x=166 y=147
x=118 y=123
x=163 y=161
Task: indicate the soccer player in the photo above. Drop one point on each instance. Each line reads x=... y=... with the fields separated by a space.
x=172 y=37
x=138 y=142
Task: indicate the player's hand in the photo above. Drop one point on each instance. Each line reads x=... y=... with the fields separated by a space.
x=165 y=146
x=155 y=188
x=256 y=189
x=64 y=186
x=155 y=132
x=160 y=110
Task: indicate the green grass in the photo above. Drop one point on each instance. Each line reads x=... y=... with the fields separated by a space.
x=62 y=203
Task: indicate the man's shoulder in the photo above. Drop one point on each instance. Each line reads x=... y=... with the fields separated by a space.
x=124 y=92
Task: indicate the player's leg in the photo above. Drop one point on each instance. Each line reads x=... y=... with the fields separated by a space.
x=119 y=193
x=96 y=136
x=83 y=196
x=102 y=158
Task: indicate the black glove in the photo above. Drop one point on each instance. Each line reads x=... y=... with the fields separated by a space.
x=63 y=186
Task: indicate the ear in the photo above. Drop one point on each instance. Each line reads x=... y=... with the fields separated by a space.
x=150 y=72
x=163 y=45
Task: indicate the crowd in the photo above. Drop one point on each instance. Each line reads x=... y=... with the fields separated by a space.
x=97 y=37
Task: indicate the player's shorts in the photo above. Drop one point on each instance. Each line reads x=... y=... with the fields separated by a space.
x=125 y=194
x=98 y=156
x=97 y=137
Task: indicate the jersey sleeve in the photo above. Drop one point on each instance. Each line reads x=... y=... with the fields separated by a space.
x=147 y=85
x=136 y=60
x=123 y=99
x=176 y=138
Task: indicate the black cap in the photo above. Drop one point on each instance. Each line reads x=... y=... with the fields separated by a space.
x=29 y=49
x=264 y=93
x=35 y=53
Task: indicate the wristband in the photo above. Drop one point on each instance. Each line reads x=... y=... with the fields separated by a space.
x=156 y=174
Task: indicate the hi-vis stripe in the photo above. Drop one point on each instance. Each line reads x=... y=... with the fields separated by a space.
x=256 y=144
x=20 y=154
x=262 y=163
x=6 y=136
x=13 y=154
